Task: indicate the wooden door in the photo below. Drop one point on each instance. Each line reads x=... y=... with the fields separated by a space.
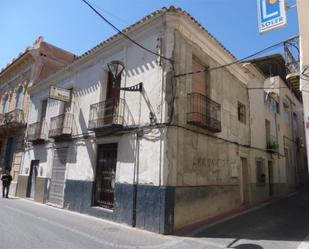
x=105 y=175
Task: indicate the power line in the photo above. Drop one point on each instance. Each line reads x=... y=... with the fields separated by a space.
x=122 y=33
x=237 y=61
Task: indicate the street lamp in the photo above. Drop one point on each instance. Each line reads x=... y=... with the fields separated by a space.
x=116 y=68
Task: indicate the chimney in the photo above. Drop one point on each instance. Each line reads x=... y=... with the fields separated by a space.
x=38 y=41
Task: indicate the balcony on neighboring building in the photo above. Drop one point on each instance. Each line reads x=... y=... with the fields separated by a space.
x=2 y=119
x=61 y=126
x=111 y=114
x=14 y=119
x=36 y=132
x=204 y=112
x=272 y=144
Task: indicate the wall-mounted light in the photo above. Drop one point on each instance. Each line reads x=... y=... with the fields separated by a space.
x=116 y=68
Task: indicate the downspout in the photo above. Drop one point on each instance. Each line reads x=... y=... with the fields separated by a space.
x=135 y=178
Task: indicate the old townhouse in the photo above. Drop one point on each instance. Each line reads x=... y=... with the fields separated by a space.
x=31 y=66
x=135 y=137
x=278 y=151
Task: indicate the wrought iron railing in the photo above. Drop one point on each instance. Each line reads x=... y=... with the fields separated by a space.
x=272 y=143
x=111 y=112
x=36 y=132
x=61 y=125
x=204 y=112
x=14 y=118
x=2 y=119
x=292 y=55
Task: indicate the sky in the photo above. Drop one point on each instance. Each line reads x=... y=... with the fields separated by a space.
x=71 y=25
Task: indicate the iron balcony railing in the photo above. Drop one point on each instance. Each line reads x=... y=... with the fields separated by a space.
x=109 y=113
x=272 y=143
x=61 y=125
x=36 y=132
x=14 y=118
x=2 y=119
x=204 y=112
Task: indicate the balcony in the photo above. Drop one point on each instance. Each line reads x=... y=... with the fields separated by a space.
x=2 y=119
x=61 y=126
x=36 y=132
x=272 y=144
x=14 y=119
x=109 y=114
x=204 y=112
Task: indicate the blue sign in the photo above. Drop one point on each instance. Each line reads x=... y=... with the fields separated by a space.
x=272 y=14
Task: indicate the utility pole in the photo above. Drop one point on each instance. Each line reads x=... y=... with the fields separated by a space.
x=303 y=19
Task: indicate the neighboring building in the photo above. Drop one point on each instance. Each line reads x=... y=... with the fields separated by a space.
x=303 y=20
x=278 y=152
x=31 y=66
x=170 y=155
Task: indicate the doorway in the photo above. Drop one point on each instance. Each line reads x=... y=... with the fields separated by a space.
x=244 y=181
x=271 y=178
x=104 y=185
x=32 y=178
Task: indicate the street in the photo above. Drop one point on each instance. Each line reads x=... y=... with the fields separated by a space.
x=283 y=224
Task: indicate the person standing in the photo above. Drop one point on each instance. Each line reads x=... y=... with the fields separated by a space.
x=6 y=182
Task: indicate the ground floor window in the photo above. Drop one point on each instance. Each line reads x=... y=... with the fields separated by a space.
x=104 y=184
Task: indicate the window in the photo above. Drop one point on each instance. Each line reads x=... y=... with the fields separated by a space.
x=19 y=98
x=6 y=104
x=260 y=171
x=241 y=112
x=286 y=113
x=198 y=79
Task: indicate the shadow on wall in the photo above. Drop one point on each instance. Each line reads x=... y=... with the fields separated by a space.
x=40 y=153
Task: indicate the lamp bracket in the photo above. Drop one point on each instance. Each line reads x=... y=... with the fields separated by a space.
x=136 y=88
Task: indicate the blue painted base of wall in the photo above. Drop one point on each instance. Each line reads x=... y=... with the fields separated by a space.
x=154 y=205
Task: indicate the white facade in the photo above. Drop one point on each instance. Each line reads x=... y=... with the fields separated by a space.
x=170 y=171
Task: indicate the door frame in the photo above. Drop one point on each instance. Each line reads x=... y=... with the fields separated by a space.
x=244 y=181
x=29 y=184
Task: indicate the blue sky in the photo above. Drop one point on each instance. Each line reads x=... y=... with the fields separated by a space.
x=71 y=25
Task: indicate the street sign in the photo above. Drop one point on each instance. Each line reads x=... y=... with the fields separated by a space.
x=271 y=15
x=59 y=94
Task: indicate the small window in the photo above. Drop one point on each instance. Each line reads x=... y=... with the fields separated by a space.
x=6 y=104
x=260 y=171
x=241 y=112
x=286 y=113
x=19 y=98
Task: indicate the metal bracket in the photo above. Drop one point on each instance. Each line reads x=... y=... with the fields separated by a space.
x=136 y=88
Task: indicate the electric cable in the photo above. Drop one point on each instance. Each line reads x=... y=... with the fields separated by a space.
x=122 y=33
x=238 y=61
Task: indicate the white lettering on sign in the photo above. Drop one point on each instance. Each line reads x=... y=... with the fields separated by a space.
x=271 y=15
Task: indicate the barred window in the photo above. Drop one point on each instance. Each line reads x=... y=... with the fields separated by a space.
x=241 y=112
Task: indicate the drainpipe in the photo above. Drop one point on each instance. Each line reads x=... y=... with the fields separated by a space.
x=135 y=177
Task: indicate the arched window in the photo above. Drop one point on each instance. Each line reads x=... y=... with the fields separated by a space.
x=5 y=104
x=19 y=98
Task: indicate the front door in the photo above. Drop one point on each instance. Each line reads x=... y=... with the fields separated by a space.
x=32 y=178
x=244 y=181
x=271 y=178
x=105 y=175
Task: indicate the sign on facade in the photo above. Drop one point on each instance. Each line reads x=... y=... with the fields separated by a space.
x=271 y=15
x=59 y=93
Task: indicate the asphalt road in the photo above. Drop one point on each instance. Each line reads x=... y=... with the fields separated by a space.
x=24 y=224
x=284 y=224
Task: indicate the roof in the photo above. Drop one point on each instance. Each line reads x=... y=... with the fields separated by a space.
x=164 y=10
x=149 y=17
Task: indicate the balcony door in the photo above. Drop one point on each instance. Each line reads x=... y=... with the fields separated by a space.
x=105 y=175
x=112 y=99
